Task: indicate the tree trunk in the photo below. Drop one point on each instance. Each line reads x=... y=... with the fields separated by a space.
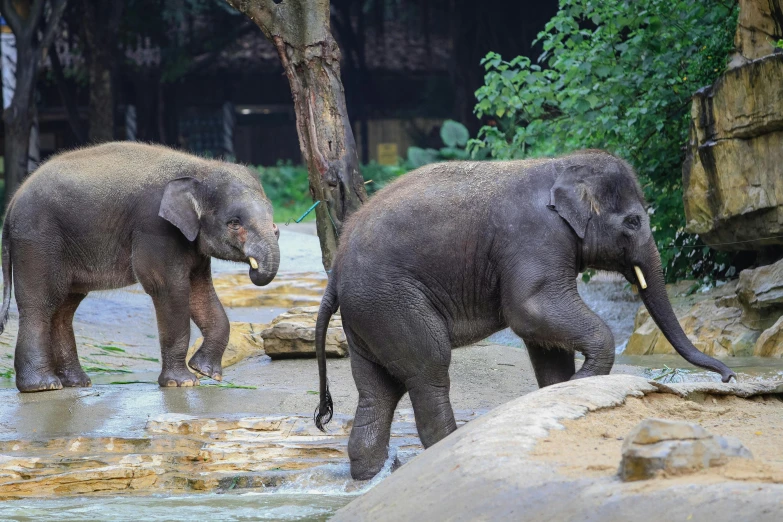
x=17 y=143
x=101 y=27
x=300 y=31
x=101 y=105
x=18 y=119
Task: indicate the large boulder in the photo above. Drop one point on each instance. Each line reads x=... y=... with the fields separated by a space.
x=292 y=334
x=733 y=174
x=760 y=25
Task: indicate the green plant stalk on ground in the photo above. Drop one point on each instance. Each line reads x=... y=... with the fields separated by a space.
x=616 y=75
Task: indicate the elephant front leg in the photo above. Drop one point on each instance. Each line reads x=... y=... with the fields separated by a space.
x=554 y=323
x=211 y=319
x=173 y=314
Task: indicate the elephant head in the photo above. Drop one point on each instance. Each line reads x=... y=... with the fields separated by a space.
x=229 y=217
x=598 y=195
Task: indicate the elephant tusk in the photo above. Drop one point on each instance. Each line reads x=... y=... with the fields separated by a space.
x=254 y=263
x=639 y=276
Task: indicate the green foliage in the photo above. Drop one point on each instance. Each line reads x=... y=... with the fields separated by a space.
x=616 y=75
x=381 y=175
x=455 y=138
x=287 y=186
x=779 y=44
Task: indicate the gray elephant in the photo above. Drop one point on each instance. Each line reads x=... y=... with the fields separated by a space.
x=109 y=216
x=454 y=252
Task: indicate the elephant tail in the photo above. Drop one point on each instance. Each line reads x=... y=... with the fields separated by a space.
x=6 y=254
x=329 y=304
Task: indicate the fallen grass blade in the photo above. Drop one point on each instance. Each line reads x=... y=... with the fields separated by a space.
x=102 y=369
x=110 y=348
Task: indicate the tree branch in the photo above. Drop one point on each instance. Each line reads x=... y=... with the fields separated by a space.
x=260 y=14
x=58 y=8
x=12 y=17
x=35 y=15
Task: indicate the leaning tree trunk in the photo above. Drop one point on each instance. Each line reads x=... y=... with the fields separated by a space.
x=34 y=24
x=18 y=122
x=300 y=31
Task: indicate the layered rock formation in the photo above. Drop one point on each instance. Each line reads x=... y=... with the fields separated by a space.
x=743 y=318
x=733 y=174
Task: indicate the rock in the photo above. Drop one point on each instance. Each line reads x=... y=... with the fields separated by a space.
x=243 y=341
x=652 y=431
x=760 y=24
x=770 y=342
x=490 y=458
x=285 y=291
x=714 y=330
x=762 y=287
x=292 y=334
x=733 y=173
x=668 y=447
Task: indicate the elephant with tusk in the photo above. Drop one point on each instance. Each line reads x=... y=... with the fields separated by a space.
x=116 y=214
x=453 y=252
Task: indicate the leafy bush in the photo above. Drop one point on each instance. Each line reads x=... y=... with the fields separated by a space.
x=616 y=75
x=455 y=138
x=287 y=186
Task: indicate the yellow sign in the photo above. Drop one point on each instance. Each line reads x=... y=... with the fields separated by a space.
x=387 y=153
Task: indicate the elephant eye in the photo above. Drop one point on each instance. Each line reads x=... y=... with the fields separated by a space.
x=633 y=222
x=234 y=223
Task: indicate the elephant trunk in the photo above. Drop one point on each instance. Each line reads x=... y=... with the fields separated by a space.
x=657 y=302
x=263 y=256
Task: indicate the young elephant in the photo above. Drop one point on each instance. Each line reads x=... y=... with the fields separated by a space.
x=109 y=216
x=454 y=252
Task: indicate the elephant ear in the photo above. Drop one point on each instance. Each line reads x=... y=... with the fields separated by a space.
x=180 y=207
x=573 y=197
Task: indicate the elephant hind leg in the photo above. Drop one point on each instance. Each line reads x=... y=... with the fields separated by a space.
x=66 y=359
x=379 y=393
x=550 y=364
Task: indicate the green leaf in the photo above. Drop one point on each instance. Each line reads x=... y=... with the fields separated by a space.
x=454 y=134
x=418 y=157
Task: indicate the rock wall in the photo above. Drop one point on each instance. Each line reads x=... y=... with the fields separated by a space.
x=733 y=173
x=743 y=318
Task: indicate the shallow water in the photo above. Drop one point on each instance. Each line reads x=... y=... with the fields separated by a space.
x=313 y=496
x=228 y=507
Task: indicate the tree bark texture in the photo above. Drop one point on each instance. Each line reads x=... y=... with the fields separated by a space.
x=300 y=31
x=101 y=27
x=34 y=24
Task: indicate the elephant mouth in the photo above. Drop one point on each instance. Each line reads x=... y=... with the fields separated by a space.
x=261 y=277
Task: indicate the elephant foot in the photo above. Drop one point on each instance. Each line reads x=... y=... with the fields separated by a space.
x=180 y=378
x=74 y=378
x=206 y=365
x=37 y=383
